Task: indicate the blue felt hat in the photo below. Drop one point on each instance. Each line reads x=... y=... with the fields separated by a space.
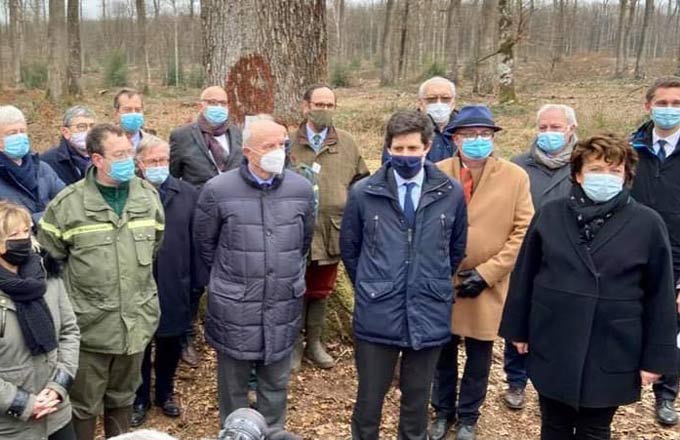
x=474 y=116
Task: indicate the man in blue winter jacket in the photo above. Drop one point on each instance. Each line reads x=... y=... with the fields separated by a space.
x=403 y=235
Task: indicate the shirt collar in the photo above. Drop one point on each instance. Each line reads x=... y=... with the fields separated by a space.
x=311 y=133
x=259 y=180
x=672 y=140
x=417 y=179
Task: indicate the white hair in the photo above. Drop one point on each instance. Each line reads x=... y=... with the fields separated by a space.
x=436 y=79
x=144 y=434
x=11 y=115
x=149 y=141
x=250 y=120
x=569 y=112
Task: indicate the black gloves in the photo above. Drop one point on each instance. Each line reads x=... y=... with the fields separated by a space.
x=471 y=284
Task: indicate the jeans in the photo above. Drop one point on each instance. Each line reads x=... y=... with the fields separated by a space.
x=515 y=366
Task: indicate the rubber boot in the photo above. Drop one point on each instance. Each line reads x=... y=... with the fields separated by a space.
x=117 y=421
x=84 y=428
x=296 y=361
x=314 y=351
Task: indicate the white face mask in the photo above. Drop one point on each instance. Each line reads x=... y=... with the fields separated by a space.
x=273 y=161
x=439 y=111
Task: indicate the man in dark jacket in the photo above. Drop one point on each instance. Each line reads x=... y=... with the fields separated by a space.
x=209 y=146
x=69 y=159
x=657 y=185
x=256 y=229
x=547 y=164
x=403 y=234
x=437 y=99
x=128 y=111
x=24 y=178
x=176 y=275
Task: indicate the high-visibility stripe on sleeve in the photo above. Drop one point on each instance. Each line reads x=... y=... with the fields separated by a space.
x=88 y=229
x=149 y=222
x=50 y=228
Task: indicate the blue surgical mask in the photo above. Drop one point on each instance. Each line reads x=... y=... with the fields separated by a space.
x=477 y=148
x=666 y=117
x=407 y=166
x=550 y=141
x=439 y=111
x=131 y=122
x=157 y=175
x=601 y=187
x=122 y=170
x=216 y=114
x=17 y=145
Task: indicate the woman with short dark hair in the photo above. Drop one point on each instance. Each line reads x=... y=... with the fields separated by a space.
x=592 y=296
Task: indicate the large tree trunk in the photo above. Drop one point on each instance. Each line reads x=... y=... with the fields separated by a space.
x=558 y=33
x=16 y=38
x=618 y=70
x=386 y=46
x=628 y=34
x=265 y=52
x=402 y=40
x=57 y=53
x=452 y=29
x=485 y=71
x=506 y=66
x=75 y=67
x=142 y=52
x=640 y=58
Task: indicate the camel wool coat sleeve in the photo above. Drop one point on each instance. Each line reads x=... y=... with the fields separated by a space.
x=499 y=214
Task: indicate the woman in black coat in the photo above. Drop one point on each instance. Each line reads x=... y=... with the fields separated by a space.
x=592 y=297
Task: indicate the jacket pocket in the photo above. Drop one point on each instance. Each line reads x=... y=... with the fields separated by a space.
x=435 y=297
x=298 y=287
x=144 y=247
x=379 y=310
x=540 y=333
x=85 y=262
x=22 y=376
x=333 y=239
x=623 y=345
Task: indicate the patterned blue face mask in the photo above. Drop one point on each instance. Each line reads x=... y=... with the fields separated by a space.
x=477 y=148
x=131 y=122
x=550 y=141
x=122 y=170
x=17 y=145
x=601 y=187
x=666 y=117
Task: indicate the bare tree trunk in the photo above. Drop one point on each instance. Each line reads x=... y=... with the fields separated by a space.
x=452 y=29
x=142 y=52
x=677 y=66
x=75 y=68
x=618 y=70
x=506 y=67
x=628 y=34
x=57 y=53
x=385 y=50
x=558 y=33
x=16 y=37
x=402 y=41
x=640 y=59
x=265 y=52
x=486 y=67
x=340 y=29
x=157 y=9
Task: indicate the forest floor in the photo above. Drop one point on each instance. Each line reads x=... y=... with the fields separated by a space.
x=321 y=402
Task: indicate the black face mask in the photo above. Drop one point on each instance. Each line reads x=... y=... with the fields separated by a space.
x=18 y=251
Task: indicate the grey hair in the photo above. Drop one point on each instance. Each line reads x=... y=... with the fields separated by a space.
x=77 y=111
x=250 y=120
x=149 y=141
x=434 y=79
x=144 y=434
x=11 y=115
x=569 y=112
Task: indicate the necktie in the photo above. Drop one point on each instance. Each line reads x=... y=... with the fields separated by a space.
x=409 y=209
x=316 y=139
x=661 y=154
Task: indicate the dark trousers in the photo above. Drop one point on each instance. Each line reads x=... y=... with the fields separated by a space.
x=666 y=388
x=375 y=367
x=65 y=433
x=515 y=366
x=472 y=386
x=562 y=422
x=194 y=302
x=167 y=354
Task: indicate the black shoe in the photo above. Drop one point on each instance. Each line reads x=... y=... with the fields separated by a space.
x=138 y=416
x=514 y=398
x=170 y=408
x=466 y=432
x=665 y=413
x=439 y=428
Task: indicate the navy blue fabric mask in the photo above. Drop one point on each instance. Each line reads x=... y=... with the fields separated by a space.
x=407 y=166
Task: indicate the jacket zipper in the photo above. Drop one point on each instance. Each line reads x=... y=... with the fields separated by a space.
x=442 y=221
x=374 y=238
x=3 y=322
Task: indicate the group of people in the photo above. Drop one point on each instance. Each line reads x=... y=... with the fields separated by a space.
x=570 y=251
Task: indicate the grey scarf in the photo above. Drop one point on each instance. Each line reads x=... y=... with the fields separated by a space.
x=553 y=162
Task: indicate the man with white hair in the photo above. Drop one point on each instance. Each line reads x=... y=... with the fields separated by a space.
x=24 y=178
x=547 y=164
x=437 y=99
x=256 y=228
x=69 y=159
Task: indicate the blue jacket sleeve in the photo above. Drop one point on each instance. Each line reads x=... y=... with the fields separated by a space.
x=351 y=234
x=309 y=221
x=206 y=237
x=458 y=241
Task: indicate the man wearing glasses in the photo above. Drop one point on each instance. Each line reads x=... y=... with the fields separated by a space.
x=106 y=228
x=499 y=211
x=69 y=159
x=208 y=146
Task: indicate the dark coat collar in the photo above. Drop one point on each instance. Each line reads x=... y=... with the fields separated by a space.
x=250 y=180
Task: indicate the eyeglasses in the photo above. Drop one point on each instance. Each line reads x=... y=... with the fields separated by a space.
x=215 y=102
x=160 y=162
x=322 y=105
x=436 y=99
x=83 y=126
x=485 y=134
